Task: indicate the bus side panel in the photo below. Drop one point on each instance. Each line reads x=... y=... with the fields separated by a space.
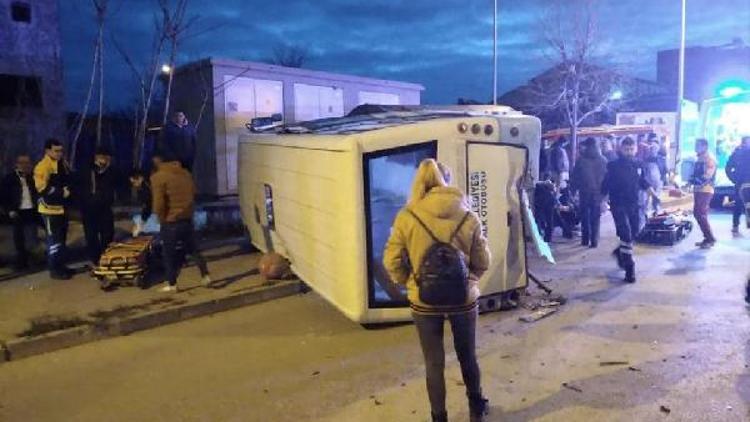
x=314 y=222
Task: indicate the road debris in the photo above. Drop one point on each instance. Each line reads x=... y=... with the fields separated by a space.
x=537 y=315
x=634 y=369
x=572 y=387
x=614 y=363
x=665 y=409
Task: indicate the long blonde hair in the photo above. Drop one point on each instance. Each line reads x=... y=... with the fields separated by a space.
x=428 y=176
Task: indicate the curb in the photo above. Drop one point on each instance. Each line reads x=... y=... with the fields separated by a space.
x=24 y=347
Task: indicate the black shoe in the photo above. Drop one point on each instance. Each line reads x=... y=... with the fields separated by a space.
x=584 y=243
x=478 y=408
x=593 y=245
x=440 y=417
x=630 y=273
x=57 y=275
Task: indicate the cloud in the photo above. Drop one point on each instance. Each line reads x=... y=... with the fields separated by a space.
x=445 y=45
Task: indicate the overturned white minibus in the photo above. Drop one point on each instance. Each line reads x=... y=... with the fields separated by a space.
x=324 y=194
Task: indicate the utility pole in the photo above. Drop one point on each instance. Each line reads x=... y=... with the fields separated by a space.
x=680 y=85
x=494 y=55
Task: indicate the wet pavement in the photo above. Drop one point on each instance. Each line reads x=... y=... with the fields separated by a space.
x=675 y=346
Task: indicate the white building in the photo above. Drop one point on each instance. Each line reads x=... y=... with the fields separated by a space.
x=231 y=93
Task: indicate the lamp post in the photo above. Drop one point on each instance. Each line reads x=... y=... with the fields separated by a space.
x=494 y=55
x=680 y=86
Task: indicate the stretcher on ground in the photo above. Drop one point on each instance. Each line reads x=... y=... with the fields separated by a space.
x=125 y=262
x=666 y=229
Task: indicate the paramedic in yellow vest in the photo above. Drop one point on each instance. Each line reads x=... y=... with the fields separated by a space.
x=51 y=179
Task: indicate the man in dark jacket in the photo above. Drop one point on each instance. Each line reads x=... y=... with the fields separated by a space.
x=19 y=199
x=97 y=187
x=622 y=182
x=738 y=171
x=586 y=180
x=179 y=140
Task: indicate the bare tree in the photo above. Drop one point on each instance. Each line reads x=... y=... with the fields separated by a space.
x=576 y=86
x=100 y=13
x=290 y=55
x=176 y=26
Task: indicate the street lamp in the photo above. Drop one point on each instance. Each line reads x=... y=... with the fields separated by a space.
x=494 y=55
x=616 y=95
x=166 y=69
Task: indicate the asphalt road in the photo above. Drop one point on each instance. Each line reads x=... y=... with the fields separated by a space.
x=673 y=347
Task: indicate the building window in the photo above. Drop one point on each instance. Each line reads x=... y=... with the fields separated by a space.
x=20 y=91
x=20 y=11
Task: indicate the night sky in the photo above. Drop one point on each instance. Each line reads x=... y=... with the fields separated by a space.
x=446 y=45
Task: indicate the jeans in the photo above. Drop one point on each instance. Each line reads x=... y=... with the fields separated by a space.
x=430 y=330
x=99 y=230
x=24 y=228
x=56 y=229
x=700 y=211
x=591 y=211
x=171 y=235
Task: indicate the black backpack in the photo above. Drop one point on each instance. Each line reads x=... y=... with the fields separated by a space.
x=443 y=275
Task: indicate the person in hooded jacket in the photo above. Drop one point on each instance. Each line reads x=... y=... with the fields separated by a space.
x=97 y=187
x=558 y=163
x=444 y=211
x=586 y=180
x=738 y=171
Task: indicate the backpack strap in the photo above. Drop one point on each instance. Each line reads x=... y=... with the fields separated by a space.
x=424 y=226
x=455 y=232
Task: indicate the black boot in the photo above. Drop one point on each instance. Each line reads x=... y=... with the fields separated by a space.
x=629 y=270
x=440 y=417
x=747 y=292
x=478 y=408
x=618 y=256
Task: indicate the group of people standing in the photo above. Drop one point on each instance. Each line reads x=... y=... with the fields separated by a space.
x=44 y=195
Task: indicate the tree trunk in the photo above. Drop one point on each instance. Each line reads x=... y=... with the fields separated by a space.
x=84 y=112
x=170 y=77
x=100 y=42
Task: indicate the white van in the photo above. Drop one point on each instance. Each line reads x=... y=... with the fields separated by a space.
x=324 y=194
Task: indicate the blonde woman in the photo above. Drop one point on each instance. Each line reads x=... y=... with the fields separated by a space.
x=438 y=214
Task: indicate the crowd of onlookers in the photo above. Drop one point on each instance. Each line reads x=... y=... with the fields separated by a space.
x=45 y=194
x=627 y=177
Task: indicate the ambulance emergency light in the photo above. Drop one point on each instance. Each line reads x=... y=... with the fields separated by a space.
x=324 y=194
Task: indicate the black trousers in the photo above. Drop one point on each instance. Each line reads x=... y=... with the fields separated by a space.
x=56 y=229
x=545 y=220
x=180 y=232
x=24 y=225
x=739 y=207
x=626 y=221
x=591 y=211
x=99 y=230
x=430 y=330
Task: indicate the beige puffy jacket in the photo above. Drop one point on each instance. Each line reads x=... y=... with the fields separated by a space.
x=442 y=209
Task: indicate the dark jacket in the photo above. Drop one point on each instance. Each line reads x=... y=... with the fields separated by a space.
x=738 y=166
x=623 y=182
x=173 y=193
x=588 y=173
x=96 y=189
x=143 y=195
x=11 y=193
x=179 y=143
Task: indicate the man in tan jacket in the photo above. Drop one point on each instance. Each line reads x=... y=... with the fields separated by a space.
x=173 y=197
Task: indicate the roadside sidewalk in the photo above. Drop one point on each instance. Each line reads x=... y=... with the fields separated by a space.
x=38 y=315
